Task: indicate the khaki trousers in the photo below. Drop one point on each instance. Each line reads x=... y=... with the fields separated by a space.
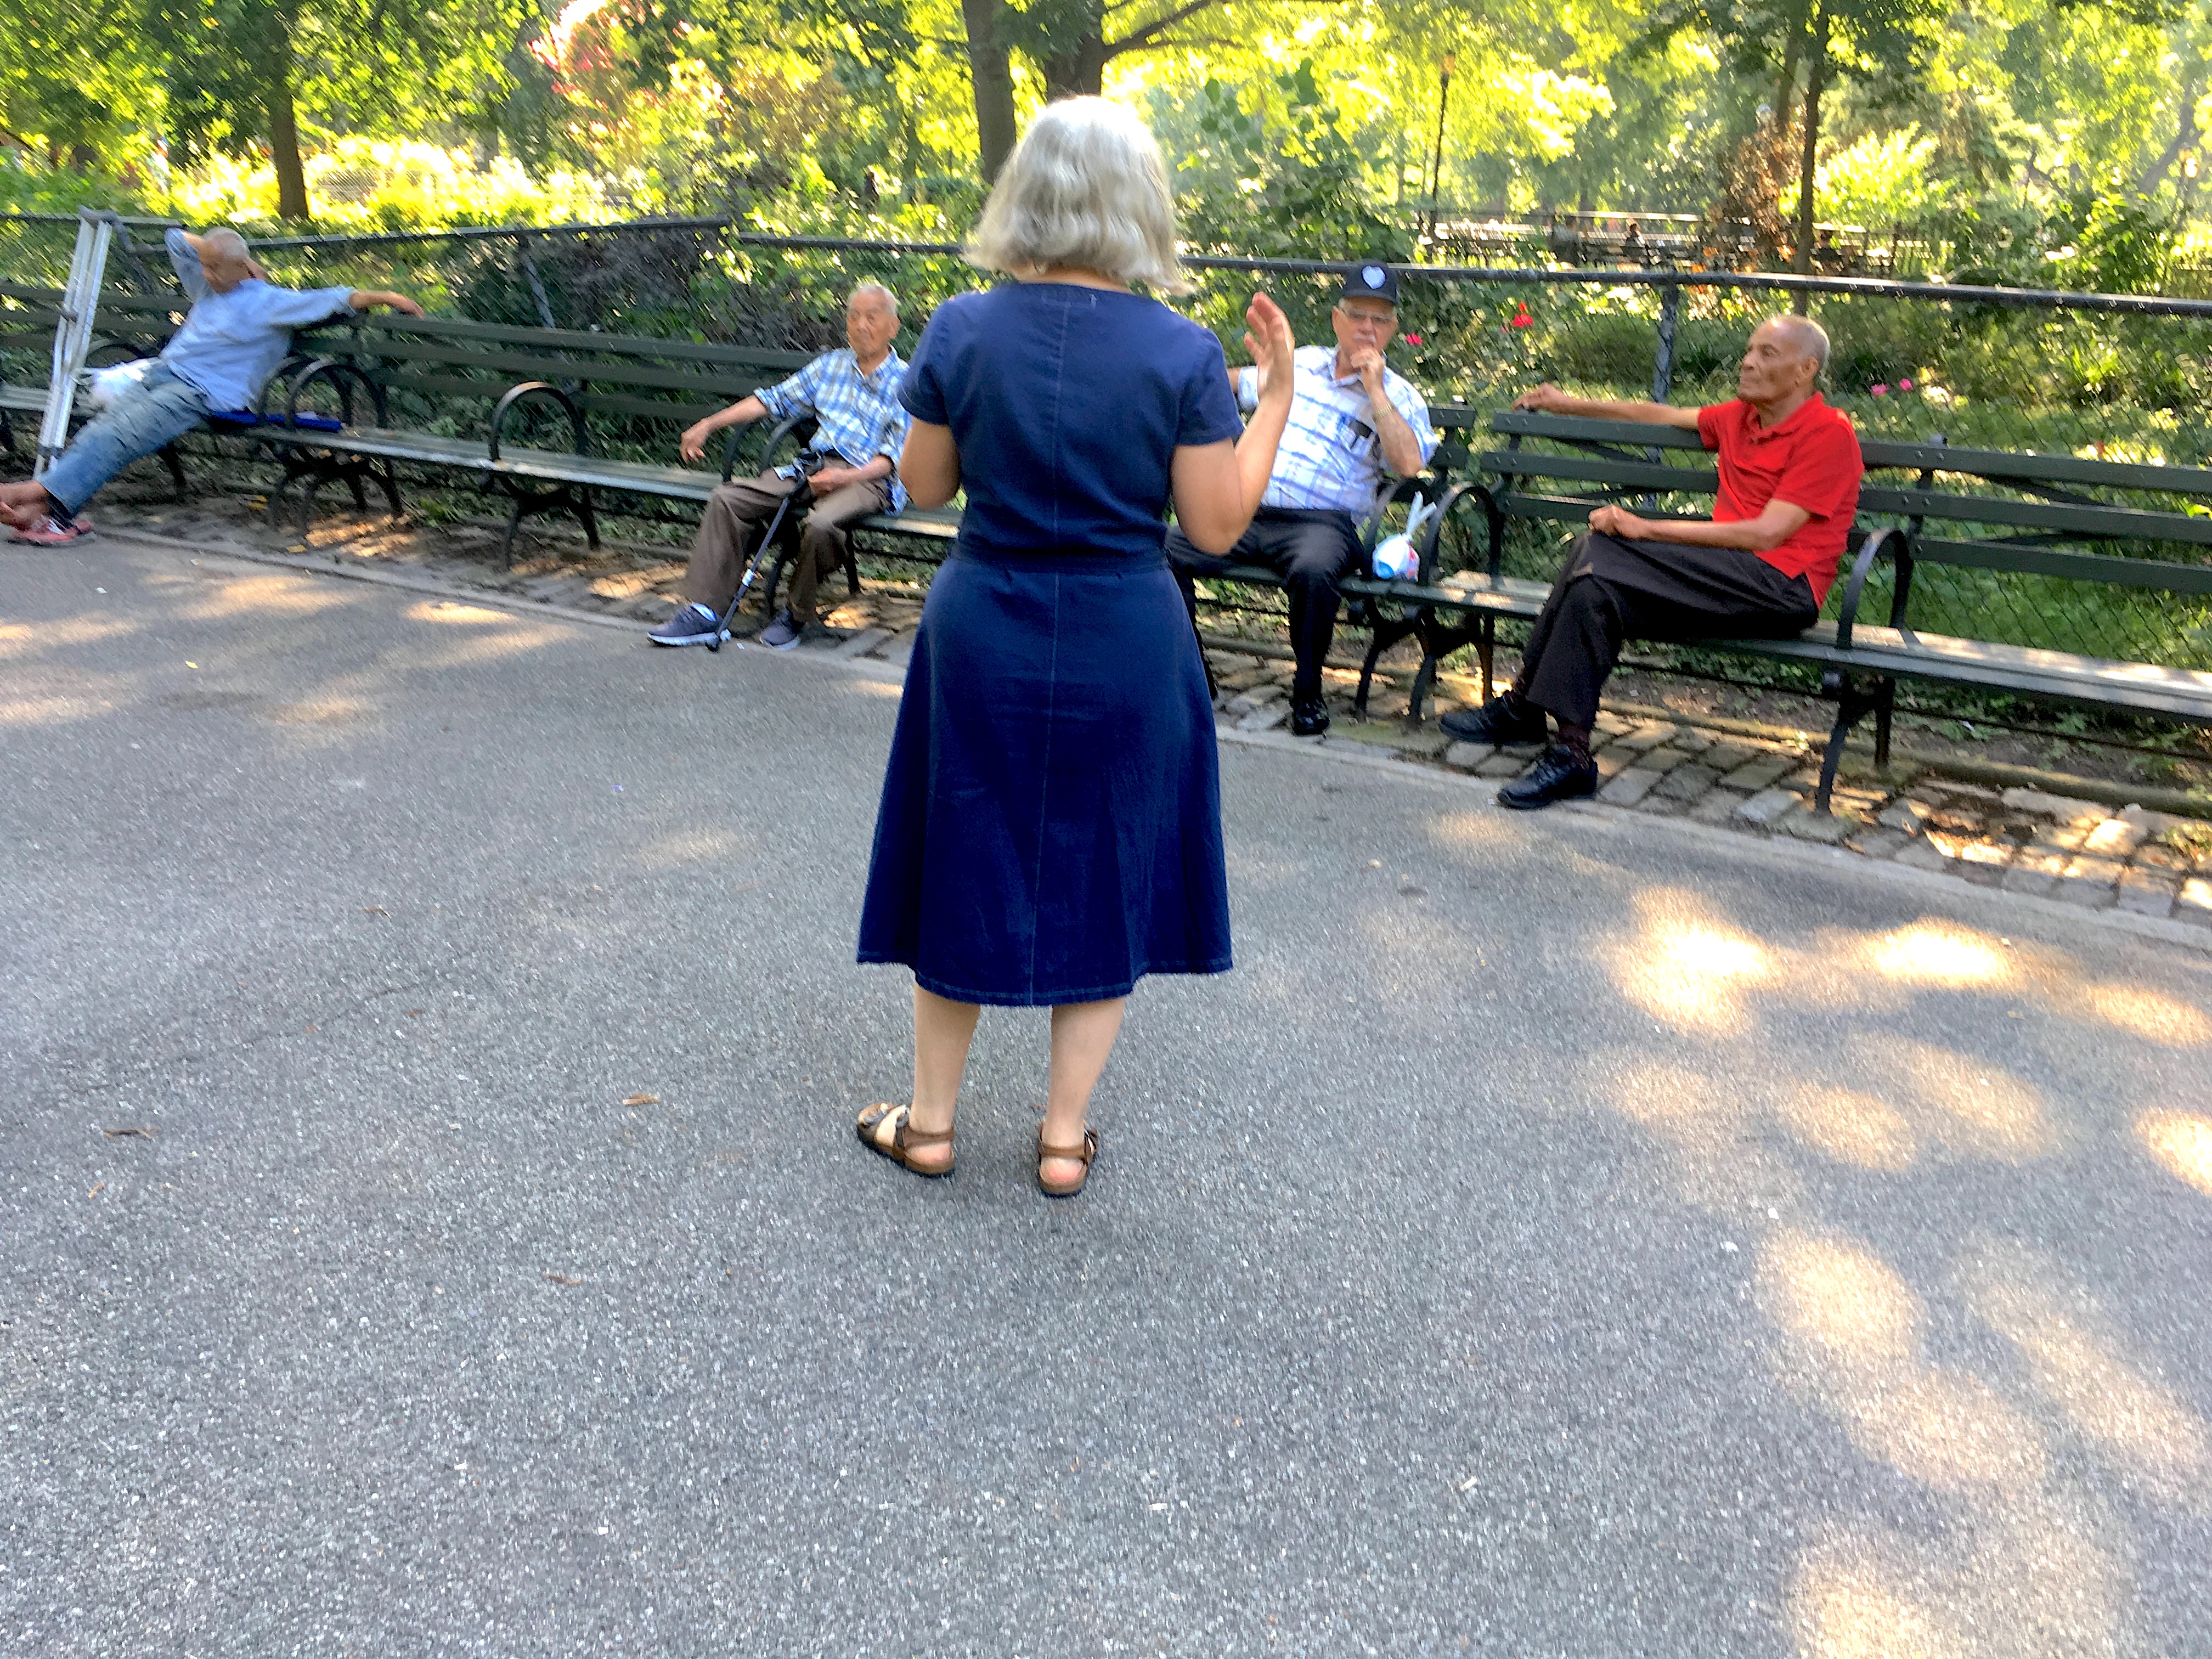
x=731 y=523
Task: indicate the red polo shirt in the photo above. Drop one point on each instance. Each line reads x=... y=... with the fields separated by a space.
x=1809 y=460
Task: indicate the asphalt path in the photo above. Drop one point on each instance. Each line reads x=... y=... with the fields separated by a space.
x=1573 y=1236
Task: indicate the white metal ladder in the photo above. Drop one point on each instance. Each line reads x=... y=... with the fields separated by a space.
x=95 y=231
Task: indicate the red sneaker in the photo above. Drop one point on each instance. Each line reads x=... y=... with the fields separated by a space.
x=47 y=533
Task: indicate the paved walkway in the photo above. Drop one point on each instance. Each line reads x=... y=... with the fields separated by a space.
x=428 y=1041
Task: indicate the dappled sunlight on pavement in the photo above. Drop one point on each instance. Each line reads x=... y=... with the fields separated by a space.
x=2182 y=1144
x=1896 y=1353
x=1559 y=1237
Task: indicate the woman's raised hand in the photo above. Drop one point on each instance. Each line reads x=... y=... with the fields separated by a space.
x=1269 y=339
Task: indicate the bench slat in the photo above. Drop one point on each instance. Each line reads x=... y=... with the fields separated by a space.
x=743 y=358
x=1627 y=475
x=2096 y=523
x=2158 y=575
x=2041 y=469
x=1575 y=428
x=553 y=369
x=1882 y=453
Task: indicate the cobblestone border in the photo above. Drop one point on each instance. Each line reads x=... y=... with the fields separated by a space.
x=2078 y=852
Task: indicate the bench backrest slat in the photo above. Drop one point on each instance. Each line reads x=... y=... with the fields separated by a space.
x=1600 y=469
x=1574 y=428
x=2026 y=558
x=744 y=358
x=509 y=366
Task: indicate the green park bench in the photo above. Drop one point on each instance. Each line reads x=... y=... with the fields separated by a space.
x=644 y=386
x=129 y=327
x=2019 y=521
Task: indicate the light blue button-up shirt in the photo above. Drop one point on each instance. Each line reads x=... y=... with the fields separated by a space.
x=859 y=417
x=232 y=343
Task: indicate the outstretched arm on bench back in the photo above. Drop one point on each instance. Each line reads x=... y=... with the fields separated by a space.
x=365 y=299
x=693 y=444
x=1550 y=400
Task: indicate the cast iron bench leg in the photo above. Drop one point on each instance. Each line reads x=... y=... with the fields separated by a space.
x=1854 y=701
x=507 y=541
x=176 y=470
x=1381 y=635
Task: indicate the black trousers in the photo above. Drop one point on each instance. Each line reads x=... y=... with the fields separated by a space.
x=1611 y=590
x=1312 y=551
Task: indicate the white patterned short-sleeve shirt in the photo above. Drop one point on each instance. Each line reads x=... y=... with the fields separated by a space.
x=1330 y=456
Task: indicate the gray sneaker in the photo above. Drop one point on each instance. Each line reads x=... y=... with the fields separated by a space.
x=781 y=635
x=688 y=627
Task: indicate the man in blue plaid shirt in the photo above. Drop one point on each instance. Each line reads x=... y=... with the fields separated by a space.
x=1352 y=422
x=853 y=396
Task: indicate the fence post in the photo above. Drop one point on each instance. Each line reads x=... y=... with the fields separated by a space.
x=1663 y=365
x=528 y=266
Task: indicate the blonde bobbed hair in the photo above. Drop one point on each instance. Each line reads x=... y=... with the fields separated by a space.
x=1087 y=189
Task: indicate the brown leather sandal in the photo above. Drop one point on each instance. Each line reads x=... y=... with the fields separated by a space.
x=903 y=1135
x=1086 y=1151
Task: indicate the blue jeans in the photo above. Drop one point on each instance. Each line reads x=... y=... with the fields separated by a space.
x=161 y=409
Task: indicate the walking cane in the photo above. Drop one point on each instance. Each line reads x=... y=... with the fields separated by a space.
x=801 y=472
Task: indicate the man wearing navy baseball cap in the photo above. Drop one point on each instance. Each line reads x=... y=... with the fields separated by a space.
x=1354 y=425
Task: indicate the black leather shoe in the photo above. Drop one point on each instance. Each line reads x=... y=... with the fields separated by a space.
x=1497 y=722
x=1308 y=717
x=1559 y=774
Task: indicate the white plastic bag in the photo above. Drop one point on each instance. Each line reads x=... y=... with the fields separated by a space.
x=117 y=380
x=1395 y=558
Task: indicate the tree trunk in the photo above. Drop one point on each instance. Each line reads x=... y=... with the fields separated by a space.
x=284 y=141
x=1816 y=78
x=1079 y=72
x=1785 y=88
x=2154 y=174
x=992 y=79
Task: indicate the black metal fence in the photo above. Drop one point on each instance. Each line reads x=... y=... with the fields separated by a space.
x=2122 y=377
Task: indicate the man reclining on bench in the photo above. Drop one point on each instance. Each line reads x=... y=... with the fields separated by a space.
x=1789 y=470
x=238 y=333
x=853 y=395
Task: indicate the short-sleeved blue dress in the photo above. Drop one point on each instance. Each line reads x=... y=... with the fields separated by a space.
x=1050 y=829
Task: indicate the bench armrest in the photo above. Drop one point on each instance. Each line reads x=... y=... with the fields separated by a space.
x=798 y=428
x=1400 y=489
x=340 y=372
x=1465 y=497
x=1896 y=542
x=538 y=389
x=737 y=431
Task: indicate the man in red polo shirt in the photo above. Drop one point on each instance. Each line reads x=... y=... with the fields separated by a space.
x=1758 y=569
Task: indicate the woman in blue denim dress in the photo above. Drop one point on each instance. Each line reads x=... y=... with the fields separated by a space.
x=1050 y=829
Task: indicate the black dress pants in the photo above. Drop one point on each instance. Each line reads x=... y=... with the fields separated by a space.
x=1611 y=590
x=1312 y=551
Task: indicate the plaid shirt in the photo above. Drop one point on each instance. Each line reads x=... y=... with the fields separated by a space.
x=861 y=415
x=1330 y=456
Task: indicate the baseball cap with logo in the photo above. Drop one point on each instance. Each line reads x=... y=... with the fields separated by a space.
x=1372 y=280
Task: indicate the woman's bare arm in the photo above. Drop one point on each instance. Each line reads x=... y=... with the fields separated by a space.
x=1217 y=486
x=929 y=465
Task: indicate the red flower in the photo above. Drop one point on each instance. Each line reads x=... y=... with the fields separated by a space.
x=1521 y=317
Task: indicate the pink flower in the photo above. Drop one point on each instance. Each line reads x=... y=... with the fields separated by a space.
x=1881 y=390
x=1412 y=339
x=1903 y=385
